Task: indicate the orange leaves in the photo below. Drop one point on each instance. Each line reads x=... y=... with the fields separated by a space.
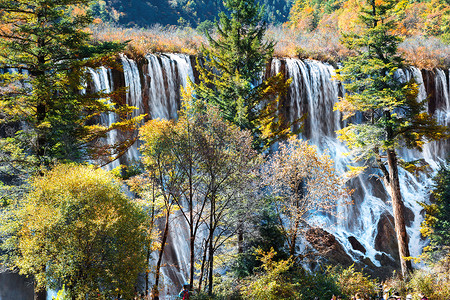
x=425 y=57
x=380 y=2
x=346 y=107
x=156 y=39
x=303 y=180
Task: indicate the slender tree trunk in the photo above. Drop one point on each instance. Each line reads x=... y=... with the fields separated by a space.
x=191 y=230
x=192 y=253
x=147 y=271
x=161 y=252
x=240 y=232
x=211 y=247
x=399 y=213
x=152 y=224
x=42 y=101
x=294 y=238
x=202 y=269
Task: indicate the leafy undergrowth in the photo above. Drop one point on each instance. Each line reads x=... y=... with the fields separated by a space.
x=285 y=279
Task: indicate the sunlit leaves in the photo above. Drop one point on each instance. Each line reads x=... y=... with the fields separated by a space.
x=384 y=109
x=77 y=227
x=303 y=183
x=436 y=225
x=46 y=49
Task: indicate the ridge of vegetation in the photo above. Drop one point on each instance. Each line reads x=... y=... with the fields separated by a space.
x=300 y=28
x=419 y=51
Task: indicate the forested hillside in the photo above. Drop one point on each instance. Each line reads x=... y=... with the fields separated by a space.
x=430 y=18
x=178 y=12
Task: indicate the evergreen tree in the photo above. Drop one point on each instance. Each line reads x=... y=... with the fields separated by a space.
x=437 y=218
x=45 y=116
x=232 y=68
x=47 y=41
x=394 y=118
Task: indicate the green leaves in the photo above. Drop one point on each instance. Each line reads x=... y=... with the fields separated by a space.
x=393 y=117
x=230 y=75
x=49 y=40
x=436 y=225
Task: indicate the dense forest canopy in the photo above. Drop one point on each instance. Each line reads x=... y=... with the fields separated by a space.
x=178 y=12
x=427 y=17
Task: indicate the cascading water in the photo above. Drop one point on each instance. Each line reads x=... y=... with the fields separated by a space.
x=164 y=75
x=134 y=98
x=153 y=87
x=313 y=91
x=101 y=80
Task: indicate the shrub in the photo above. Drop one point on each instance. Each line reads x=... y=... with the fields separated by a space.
x=318 y=284
x=273 y=282
x=433 y=281
x=350 y=281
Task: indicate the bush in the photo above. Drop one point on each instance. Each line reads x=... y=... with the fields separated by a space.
x=433 y=281
x=273 y=282
x=77 y=227
x=351 y=281
x=284 y=279
x=318 y=284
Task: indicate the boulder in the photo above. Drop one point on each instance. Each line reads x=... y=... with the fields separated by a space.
x=328 y=247
x=386 y=240
x=356 y=245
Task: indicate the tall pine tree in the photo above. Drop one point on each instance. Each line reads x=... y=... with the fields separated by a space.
x=232 y=69
x=45 y=116
x=46 y=41
x=394 y=118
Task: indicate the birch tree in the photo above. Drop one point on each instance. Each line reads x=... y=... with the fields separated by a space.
x=202 y=165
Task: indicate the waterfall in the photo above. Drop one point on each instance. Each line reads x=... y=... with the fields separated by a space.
x=314 y=92
x=133 y=98
x=101 y=80
x=157 y=95
x=153 y=87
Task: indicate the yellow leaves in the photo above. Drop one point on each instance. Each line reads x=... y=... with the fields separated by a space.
x=72 y=214
x=44 y=125
x=354 y=171
x=347 y=135
x=346 y=107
